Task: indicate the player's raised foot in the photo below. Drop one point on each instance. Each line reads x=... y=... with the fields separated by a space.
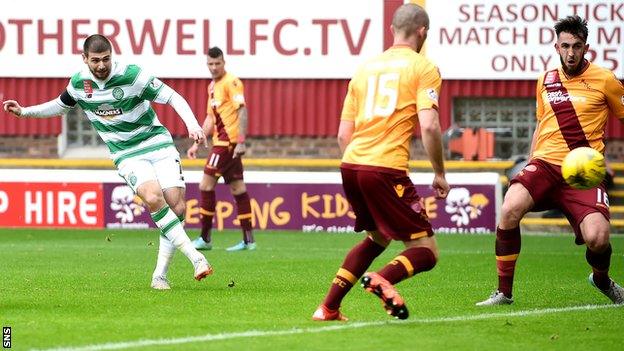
x=202 y=268
x=160 y=282
x=615 y=292
x=392 y=301
x=200 y=244
x=323 y=313
x=241 y=246
x=497 y=298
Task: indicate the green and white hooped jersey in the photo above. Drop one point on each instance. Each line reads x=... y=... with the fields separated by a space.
x=119 y=109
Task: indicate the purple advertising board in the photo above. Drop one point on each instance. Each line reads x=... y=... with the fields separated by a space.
x=310 y=207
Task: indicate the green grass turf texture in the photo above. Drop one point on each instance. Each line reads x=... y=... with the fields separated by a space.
x=72 y=288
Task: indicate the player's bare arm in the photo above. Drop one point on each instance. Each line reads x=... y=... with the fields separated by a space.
x=432 y=141
x=345 y=132
x=243 y=121
x=183 y=109
x=12 y=107
x=207 y=128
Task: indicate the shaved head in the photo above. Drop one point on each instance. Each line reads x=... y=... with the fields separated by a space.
x=408 y=18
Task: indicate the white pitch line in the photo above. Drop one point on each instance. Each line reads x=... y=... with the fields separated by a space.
x=342 y=326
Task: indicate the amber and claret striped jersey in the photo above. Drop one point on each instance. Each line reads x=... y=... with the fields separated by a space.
x=573 y=112
x=225 y=97
x=383 y=100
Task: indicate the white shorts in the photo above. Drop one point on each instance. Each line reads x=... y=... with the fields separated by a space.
x=162 y=165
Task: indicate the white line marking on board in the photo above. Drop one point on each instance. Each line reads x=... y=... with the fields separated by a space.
x=342 y=326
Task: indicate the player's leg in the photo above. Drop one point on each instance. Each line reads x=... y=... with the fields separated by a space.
x=535 y=187
x=355 y=263
x=595 y=231
x=243 y=206
x=399 y=214
x=517 y=203
x=171 y=227
x=419 y=256
x=207 y=204
x=232 y=170
x=175 y=198
x=590 y=207
x=148 y=176
x=358 y=259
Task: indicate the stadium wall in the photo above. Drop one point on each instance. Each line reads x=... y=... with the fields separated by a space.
x=288 y=117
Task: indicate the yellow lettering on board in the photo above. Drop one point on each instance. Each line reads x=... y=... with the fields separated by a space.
x=192 y=212
x=306 y=205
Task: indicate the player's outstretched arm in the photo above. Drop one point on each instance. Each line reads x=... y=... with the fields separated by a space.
x=51 y=108
x=12 y=106
x=184 y=111
x=432 y=141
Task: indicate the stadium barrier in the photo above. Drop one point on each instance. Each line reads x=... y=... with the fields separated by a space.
x=307 y=201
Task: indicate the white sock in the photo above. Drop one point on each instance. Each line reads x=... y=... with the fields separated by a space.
x=165 y=255
x=171 y=228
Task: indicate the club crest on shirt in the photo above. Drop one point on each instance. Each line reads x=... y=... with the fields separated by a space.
x=399 y=189
x=118 y=93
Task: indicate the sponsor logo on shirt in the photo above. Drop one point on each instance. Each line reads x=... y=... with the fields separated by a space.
x=558 y=97
x=107 y=111
x=554 y=85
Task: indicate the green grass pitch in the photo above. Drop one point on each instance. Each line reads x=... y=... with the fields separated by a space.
x=89 y=290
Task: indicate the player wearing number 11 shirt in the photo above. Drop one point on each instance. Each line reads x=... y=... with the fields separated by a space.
x=386 y=99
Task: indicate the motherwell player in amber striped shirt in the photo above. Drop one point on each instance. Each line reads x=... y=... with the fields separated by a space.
x=573 y=104
x=388 y=96
x=226 y=120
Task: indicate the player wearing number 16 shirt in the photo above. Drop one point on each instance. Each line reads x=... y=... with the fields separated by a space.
x=573 y=104
x=388 y=96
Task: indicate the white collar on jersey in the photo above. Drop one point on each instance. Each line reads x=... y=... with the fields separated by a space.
x=116 y=69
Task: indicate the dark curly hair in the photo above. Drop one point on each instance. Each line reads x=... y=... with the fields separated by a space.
x=574 y=25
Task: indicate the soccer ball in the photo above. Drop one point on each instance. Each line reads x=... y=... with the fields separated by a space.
x=583 y=168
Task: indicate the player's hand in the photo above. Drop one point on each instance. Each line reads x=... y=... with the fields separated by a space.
x=440 y=186
x=13 y=107
x=239 y=150
x=198 y=136
x=192 y=151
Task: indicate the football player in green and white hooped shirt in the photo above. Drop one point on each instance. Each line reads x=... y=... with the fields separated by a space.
x=116 y=99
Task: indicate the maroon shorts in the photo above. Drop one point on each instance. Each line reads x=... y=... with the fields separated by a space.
x=385 y=200
x=222 y=163
x=544 y=182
